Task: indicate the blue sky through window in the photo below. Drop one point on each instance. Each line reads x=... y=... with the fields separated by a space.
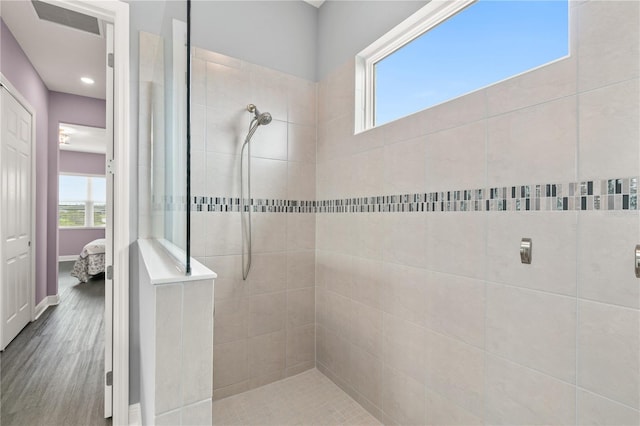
x=74 y=189
x=486 y=42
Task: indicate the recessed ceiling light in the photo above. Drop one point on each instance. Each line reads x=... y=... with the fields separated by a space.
x=87 y=80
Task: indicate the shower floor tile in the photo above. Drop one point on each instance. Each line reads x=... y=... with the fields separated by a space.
x=309 y=398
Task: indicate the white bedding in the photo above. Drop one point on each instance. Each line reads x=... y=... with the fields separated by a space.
x=91 y=261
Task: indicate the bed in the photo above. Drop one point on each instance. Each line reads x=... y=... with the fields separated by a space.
x=91 y=261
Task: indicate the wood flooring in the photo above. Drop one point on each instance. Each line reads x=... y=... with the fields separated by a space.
x=52 y=373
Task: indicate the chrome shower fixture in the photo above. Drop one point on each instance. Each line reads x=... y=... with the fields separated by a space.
x=245 y=201
x=261 y=119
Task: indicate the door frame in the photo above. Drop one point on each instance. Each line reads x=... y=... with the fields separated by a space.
x=12 y=91
x=117 y=13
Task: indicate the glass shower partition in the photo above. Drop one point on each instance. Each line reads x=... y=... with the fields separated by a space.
x=164 y=132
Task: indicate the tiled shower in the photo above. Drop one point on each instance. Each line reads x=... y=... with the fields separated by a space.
x=389 y=259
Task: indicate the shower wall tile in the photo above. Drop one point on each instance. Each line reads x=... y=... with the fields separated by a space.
x=609 y=351
x=403 y=398
x=300 y=307
x=221 y=174
x=367 y=330
x=231 y=321
x=543 y=84
x=268 y=178
x=456 y=112
x=441 y=411
x=596 y=410
x=268 y=273
x=302 y=143
x=229 y=284
x=300 y=269
x=606 y=241
x=230 y=363
x=456 y=243
x=301 y=232
x=366 y=375
x=535 y=329
x=267 y=313
x=609 y=114
x=227 y=87
x=268 y=89
x=222 y=234
x=553 y=266
x=455 y=306
x=266 y=354
x=404 y=239
x=404 y=292
x=270 y=141
x=225 y=131
x=405 y=347
x=520 y=144
x=516 y=395
x=301 y=181
x=269 y=232
x=455 y=370
x=404 y=170
x=470 y=335
x=198 y=127
x=300 y=346
x=455 y=158
x=609 y=43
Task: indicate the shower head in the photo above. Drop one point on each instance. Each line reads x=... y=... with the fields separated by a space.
x=261 y=119
x=264 y=118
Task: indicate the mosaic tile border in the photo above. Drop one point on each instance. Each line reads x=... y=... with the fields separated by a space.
x=606 y=194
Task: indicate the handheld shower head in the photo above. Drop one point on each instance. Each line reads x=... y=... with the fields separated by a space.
x=264 y=118
x=261 y=118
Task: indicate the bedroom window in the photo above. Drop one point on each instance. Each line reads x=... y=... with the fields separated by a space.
x=450 y=48
x=82 y=201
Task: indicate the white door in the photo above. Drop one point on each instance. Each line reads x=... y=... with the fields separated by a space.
x=15 y=214
x=108 y=290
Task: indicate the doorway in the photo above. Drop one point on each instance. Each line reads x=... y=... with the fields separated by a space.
x=114 y=15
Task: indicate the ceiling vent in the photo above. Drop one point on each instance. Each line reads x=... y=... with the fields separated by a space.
x=66 y=17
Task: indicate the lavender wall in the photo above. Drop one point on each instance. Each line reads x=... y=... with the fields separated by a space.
x=72 y=109
x=15 y=66
x=71 y=241
x=81 y=162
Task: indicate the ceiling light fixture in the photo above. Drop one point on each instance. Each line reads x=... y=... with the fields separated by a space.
x=87 y=80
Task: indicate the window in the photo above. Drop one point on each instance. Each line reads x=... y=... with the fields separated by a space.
x=448 y=49
x=82 y=201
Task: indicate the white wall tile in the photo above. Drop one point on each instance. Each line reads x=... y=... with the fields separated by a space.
x=300 y=345
x=301 y=143
x=301 y=181
x=367 y=329
x=606 y=241
x=609 y=351
x=516 y=395
x=405 y=347
x=455 y=158
x=404 y=166
x=267 y=353
x=300 y=269
x=268 y=178
x=608 y=43
x=300 y=307
x=405 y=238
x=535 y=144
x=405 y=292
x=552 y=81
x=198 y=414
x=267 y=274
x=230 y=363
x=534 y=329
x=455 y=370
x=442 y=412
x=267 y=313
x=270 y=141
x=231 y=320
x=168 y=331
x=301 y=231
x=553 y=263
x=609 y=129
x=366 y=375
x=197 y=342
x=403 y=398
x=455 y=306
x=598 y=411
x=456 y=243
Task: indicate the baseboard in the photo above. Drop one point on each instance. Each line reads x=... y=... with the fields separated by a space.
x=68 y=258
x=44 y=304
x=135 y=415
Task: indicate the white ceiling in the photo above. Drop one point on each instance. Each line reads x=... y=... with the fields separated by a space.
x=84 y=139
x=60 y=54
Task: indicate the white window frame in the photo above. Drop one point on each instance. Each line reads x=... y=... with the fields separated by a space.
x=423 y=20
x=88 y=203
